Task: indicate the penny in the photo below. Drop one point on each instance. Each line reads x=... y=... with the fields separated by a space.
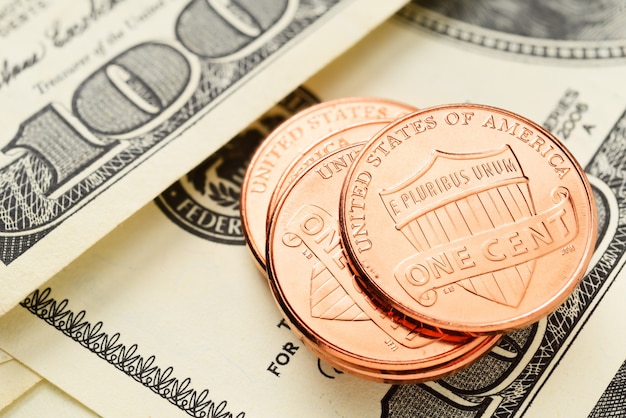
x=313 y=284
x=285 y=143
x=468 y=218
x=353 y=134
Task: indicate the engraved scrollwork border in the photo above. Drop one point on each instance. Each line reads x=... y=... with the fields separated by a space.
x=512 y=45
x=125 y=358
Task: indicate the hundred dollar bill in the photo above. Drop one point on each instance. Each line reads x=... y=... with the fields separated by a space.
x=168 y=314
x=104 y=103
x=234 y=356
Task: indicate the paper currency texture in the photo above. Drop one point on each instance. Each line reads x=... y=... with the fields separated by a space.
x=154 y=301
x=104 y=104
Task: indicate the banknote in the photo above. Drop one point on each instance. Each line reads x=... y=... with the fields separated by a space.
x=168 y=314
x=17 y=379
x=104 y=103
x=44 y=396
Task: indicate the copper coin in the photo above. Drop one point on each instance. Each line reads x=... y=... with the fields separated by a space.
x=469 y=218
x=312 y=282
x=285 y=143
x=335 y=140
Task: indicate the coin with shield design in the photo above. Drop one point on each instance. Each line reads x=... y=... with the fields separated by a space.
x=313 y=284
x=469 y=218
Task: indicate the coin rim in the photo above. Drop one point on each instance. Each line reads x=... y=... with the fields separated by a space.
x=257 y=253
x=296 y=162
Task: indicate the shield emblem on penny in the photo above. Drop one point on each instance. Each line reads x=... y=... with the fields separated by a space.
x=329 y=300
x=455 y=196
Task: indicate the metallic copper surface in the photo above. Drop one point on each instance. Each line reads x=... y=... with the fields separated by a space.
x=313 y=284
x=287 y=142
x=353 y=134
x=469 y=218
x=411 y=375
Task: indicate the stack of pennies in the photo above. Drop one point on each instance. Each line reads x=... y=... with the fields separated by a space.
x=401 y=243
